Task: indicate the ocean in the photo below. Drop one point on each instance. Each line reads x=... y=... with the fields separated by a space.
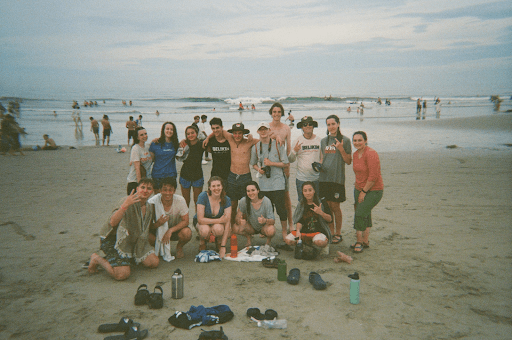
x=37 y=117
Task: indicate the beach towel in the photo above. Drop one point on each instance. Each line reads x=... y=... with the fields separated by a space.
x=253 y=254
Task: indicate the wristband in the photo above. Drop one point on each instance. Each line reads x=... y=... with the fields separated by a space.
x=124 y=208
x=223 y=246
x=364 y=191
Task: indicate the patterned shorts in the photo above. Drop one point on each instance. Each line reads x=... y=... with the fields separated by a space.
x=111 y=254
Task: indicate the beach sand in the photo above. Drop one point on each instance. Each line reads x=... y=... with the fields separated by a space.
x=439 y=265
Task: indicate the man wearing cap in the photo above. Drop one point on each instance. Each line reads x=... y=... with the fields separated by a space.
x=306 y=150
x=269 y=159
x=239 y=172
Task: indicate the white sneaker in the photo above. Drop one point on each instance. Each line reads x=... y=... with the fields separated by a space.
x=204 y=162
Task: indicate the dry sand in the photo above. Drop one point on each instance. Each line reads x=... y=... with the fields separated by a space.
x=439 y=266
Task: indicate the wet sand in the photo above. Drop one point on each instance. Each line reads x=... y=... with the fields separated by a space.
x=439 y=265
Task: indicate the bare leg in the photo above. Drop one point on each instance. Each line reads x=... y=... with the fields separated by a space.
x=186 y=194
x=337 y=220
x=185 y=235
x=288 y=206
x=196 y=191
x=118 y=273
x=366 y=236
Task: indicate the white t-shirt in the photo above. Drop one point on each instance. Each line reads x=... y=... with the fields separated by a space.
x=309 y=152
x=178 y=209
x=143 y=156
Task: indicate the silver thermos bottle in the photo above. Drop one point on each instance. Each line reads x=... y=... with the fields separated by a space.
x=177 y=284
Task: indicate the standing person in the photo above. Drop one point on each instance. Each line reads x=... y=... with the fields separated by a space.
x=191 y=174
x=130 y=125
x=418 y=107
x=202 y=136
x=140 y=160
x=124 y=238
x=139 y=121
x=283 y=131
x=196 y=122
x=336 y=152
x=214 y=215
x=107 y=129
x=172 y=213
x=163 y=152
x=306 y=150
x=255 y=215
x=368 y=189
x=424 y=108
x=220 y=150
x=269 y=159
x=239 y=172
x=438 y=107
x=95 y=128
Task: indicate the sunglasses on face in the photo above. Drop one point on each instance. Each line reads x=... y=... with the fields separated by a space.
x=307 y=124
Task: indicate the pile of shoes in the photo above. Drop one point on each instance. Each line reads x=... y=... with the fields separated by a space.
x=154 y=300
x=126 y=325
x=255 y=313
x=314 y=278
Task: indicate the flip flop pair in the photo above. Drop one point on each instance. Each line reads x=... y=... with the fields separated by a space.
x=270 y=314
x=131 y=330
x=154 y=300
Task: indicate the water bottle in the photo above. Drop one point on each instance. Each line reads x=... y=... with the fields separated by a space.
x=234 y=246
x=281 y=271
x=354 y=288
x=299 y=250
x=273 y=324
x=177 y=284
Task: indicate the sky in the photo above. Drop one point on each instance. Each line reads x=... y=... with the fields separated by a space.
x=266 y=48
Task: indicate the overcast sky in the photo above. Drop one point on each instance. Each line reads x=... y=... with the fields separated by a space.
x=230 y=48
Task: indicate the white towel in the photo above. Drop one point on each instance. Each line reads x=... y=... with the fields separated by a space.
x=161 y=249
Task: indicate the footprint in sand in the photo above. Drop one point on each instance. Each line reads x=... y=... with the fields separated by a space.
x=19 y=230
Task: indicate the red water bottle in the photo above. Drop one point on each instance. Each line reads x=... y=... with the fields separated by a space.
x=234 y=246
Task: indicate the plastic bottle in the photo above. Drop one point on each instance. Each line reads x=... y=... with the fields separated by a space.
x=299 y=250
x=354 y=288
x=234 y=246
x=273 y=324
x=177 y=284
x=281 y=271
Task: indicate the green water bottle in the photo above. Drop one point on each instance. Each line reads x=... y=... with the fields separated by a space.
x=281 y=271
x=354 y=288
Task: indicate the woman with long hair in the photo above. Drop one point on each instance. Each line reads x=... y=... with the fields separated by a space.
x=191 y=174
x=311 y=218
x=336 y=152
x=368 y=189
x=214 y=215
x=255 y=215
x=140 y=160
x=163 y=152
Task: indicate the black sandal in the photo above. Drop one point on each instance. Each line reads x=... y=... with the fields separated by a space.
x=156 y=300
x=337 y=239
x=141 y=298
x=131 y=334
x=122 y=326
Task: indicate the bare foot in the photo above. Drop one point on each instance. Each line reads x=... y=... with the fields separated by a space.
x=93 y=263
x=179 y=253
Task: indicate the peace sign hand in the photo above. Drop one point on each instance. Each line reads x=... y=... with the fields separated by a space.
x=297 y=146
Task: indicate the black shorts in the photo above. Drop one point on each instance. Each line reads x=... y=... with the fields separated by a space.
x=131 y=134
x=106 y=132
x=277 y=199
x=332 y=192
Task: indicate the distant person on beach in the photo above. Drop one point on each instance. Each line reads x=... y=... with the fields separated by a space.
x=220 y=150
x=269 y=159
x=239 y=172
x=306 y=151
x=311 y=218
x=196 y=122
x=163 y=152
x=283 y=131
x=418 y=109
x=336 y=152
x=55 y=113
x=255 y=215
x=424 y=108
x=130 y=125
x=240 y=106
x=140 y=160
x=157 y=113
x=139 y=121
x=214 y=216
x=49 y=143
x=202 y=136
x=107 y=130
x=191 y=174
x=253 y=107
x=438 y=108
x=172 y=213
x=95 y=128
x=368 y=189
x=130 y=103
x=124 y=238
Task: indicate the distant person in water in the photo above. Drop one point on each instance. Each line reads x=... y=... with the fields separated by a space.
x=107 y=130
x=95 y=128
x=131 y=125
x=49 y=143
x=139 y=121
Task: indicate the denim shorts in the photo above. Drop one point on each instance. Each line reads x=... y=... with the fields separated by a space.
x=187 y=184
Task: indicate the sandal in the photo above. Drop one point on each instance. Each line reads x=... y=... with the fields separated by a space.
x=141 y=298
x=132 y=333
x=358 y=247
x=337 y=239
x=156 y=300
x=365 y=245
x=122 y=326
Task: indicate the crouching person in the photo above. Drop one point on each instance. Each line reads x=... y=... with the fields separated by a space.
x=311 y=218
x=124 y=238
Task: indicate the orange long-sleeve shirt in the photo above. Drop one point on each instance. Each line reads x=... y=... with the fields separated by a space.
x=367 y=168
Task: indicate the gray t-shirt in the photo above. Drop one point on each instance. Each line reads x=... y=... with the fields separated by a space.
x=258 y=153
x=266 y=210
x=332 y=160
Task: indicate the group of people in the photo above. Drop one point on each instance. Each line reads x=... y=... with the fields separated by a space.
x=142 y=225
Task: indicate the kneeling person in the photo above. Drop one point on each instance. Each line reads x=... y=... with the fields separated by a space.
x=124 y=238
x=311 y=218
x=255 y=215
x=172 y=213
